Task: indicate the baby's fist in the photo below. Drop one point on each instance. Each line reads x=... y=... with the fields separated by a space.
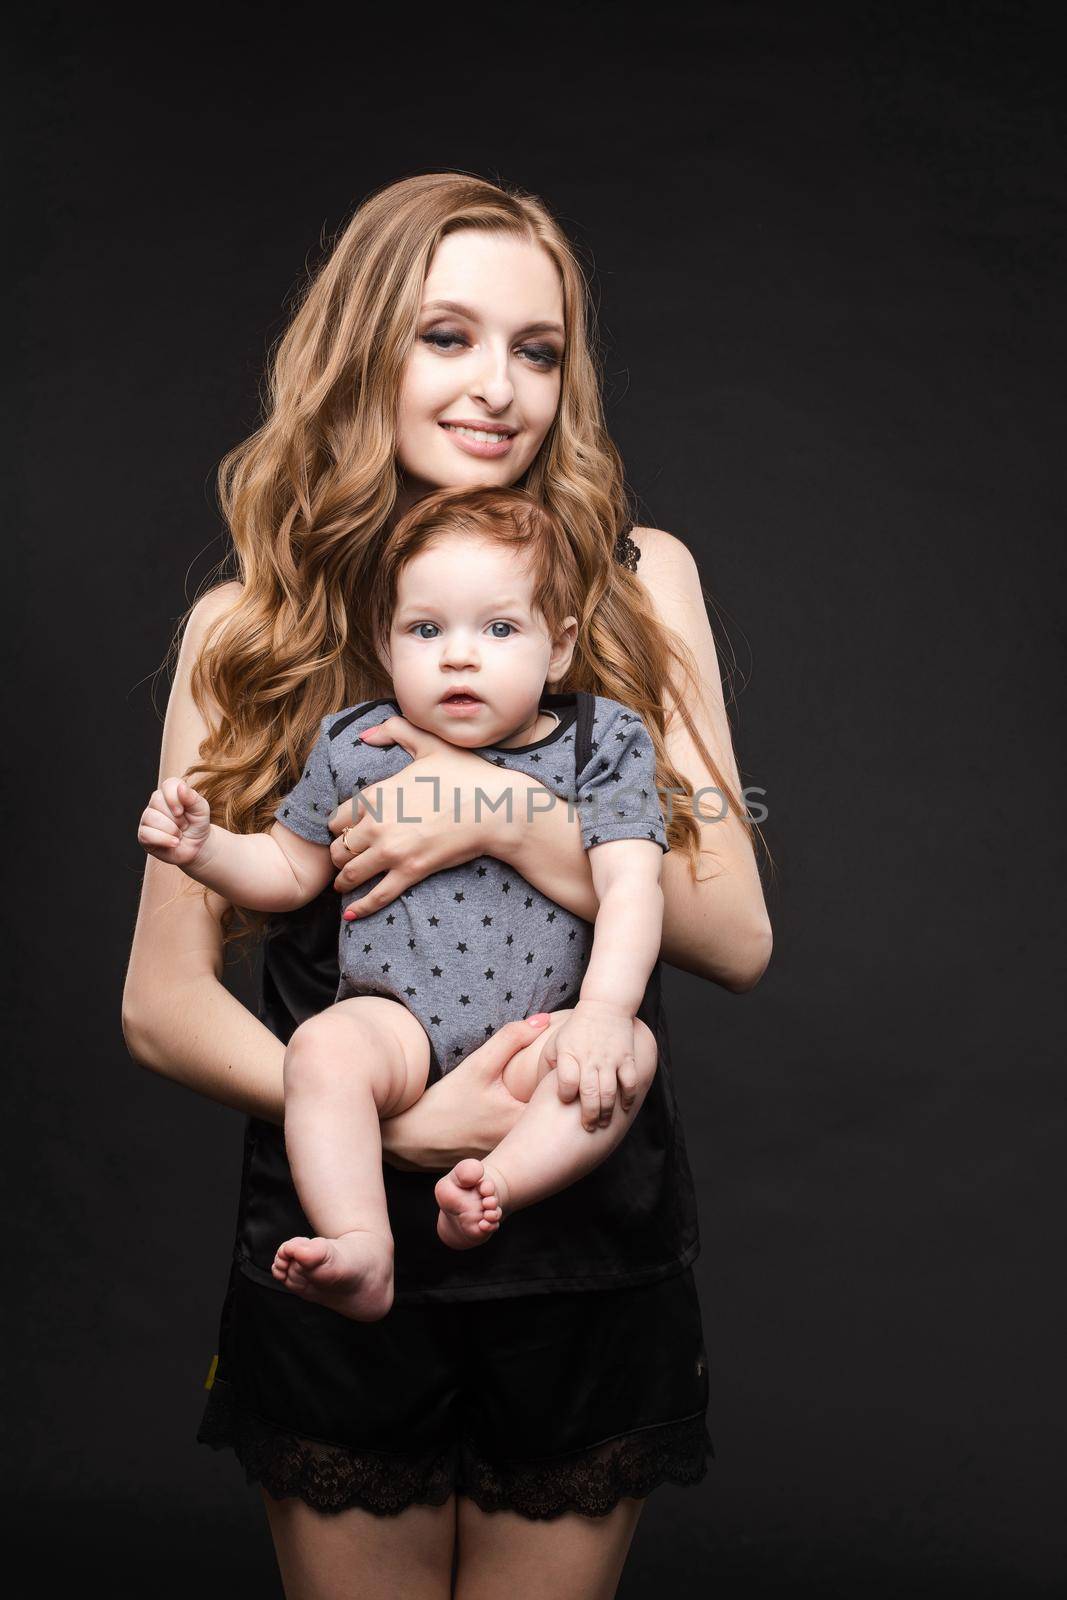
x=175 y=823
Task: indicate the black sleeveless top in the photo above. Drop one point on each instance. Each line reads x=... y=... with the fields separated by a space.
x=632 y=1220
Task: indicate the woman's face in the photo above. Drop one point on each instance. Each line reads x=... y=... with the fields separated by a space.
x=494 y=365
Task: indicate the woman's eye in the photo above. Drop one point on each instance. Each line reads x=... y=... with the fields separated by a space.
x=542 y=355
x=439 y=340
x=545 y=355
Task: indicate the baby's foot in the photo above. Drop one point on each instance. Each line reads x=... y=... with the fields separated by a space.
x=352 y=1274
x=473 y=1198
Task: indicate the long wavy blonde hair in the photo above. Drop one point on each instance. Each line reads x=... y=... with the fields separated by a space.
x=307 y=499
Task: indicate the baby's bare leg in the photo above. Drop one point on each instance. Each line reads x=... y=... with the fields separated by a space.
x=362 y=1060
x=548 y=1148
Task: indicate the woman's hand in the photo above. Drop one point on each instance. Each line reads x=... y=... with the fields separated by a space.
x=429 y=816
x=468 y=1111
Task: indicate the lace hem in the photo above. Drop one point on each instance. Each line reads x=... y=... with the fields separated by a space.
x=332 y=1477
x=592 y=1481
x=329 y=1477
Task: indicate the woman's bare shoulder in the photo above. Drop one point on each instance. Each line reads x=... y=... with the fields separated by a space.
x=217 y=602
x=223 y=594
x=665 y=562
x=209 y=609
x=658 y=544
x=673 y=583
x=186 y=727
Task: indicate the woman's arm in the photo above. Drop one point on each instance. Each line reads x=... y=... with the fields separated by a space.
x=717 y=928
x=178 y=1019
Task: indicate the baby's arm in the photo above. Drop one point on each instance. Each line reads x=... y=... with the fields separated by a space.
x=598 y=1037
x=275 y=871
x=629 y=922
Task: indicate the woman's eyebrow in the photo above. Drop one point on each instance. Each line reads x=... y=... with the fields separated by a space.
x=472 y=316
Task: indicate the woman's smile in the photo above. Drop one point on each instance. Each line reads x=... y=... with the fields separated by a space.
x=481 y=442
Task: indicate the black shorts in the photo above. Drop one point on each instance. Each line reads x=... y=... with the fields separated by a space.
x=538 y=1404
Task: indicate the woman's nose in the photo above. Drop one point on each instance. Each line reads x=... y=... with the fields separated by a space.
x=493 y=386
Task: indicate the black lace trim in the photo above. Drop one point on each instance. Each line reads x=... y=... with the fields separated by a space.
x=329 y=1477
x=627 y=553
x=333 y=1477
x=592 y=1481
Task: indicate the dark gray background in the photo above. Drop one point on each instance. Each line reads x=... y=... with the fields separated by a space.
x=829 y=247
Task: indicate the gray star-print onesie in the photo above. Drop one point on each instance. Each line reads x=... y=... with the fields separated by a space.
x=473 y=946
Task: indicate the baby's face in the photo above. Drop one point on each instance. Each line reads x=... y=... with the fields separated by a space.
x=464 y=620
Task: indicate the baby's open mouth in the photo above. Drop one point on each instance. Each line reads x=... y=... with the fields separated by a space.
x=461 y=698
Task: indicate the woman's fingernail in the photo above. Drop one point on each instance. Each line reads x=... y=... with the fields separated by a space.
x=539 y=1018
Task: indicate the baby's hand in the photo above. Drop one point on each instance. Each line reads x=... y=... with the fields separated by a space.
x=593 y=1053
x=175 y=823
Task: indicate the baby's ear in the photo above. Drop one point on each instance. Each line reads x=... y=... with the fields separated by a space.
x=563 y=648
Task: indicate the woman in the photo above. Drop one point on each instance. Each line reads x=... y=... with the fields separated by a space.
x=550 y=1385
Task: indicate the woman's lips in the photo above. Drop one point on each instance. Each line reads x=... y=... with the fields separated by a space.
x=477 y=447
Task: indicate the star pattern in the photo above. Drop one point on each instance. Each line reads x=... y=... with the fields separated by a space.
x=552 y=931
x=473 y=945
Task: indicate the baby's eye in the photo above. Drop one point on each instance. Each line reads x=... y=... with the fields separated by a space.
x=507 y=625
x=417 y=630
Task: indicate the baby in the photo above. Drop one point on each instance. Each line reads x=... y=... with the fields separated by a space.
x=467 y=612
